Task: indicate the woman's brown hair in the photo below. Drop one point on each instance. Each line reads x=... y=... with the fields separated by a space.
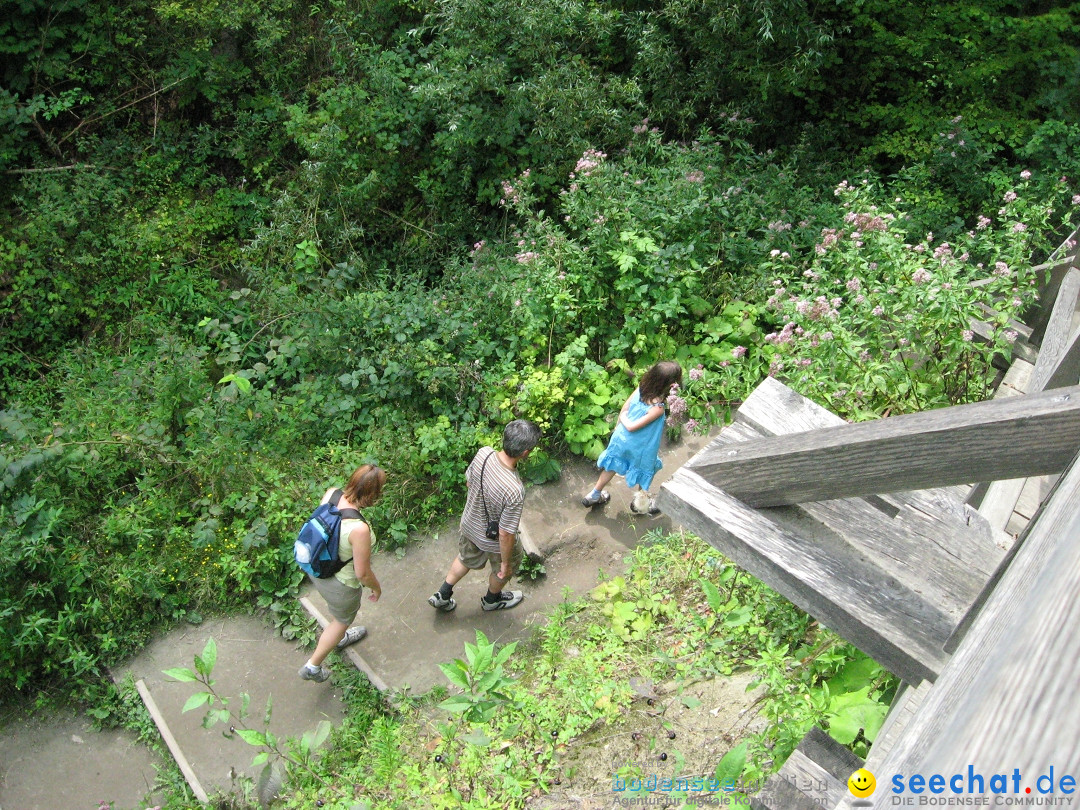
x=365 y=485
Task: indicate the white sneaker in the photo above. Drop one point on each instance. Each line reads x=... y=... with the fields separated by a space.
x=507 y=600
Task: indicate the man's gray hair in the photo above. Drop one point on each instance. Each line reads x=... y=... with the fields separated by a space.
x=519 y=437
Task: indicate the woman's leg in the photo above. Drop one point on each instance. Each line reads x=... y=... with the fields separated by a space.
x=334 y=632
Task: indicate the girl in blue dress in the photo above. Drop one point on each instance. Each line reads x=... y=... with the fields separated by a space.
x=632 y=449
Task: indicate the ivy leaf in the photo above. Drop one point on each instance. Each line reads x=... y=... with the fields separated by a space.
x=852 y=711
x=251 y=736
x=456 y=704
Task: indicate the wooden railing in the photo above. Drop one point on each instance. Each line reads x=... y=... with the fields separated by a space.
x=863 y=527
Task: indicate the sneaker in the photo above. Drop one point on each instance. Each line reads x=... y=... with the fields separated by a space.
x=437 y=601
x=598 y=500
x=352 y=635
x=318 y=675
x=507 y=600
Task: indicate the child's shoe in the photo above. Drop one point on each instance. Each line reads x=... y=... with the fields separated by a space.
x=643 y=504
x=596 y=499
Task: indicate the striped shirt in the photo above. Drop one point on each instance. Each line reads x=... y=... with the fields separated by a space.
x=503 y=495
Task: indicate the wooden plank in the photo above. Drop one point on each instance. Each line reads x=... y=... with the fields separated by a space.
x=838 y=760
x=1035 y=491
x=1017 y=379
x=996 y=499
x=1056 y=366
x=1067 y=371
x=1000 y=501
x=1059 y=329
x=926 y=534
x=1022 y=330
x=818 y=770
x=1007 y=699
x=774 y=409
x=1059 y=263
x=825 y=576
x=782 y=788
x=810 y=780
x=914 y=451
x=903 y=708
x=985 y=332
x=170 y=741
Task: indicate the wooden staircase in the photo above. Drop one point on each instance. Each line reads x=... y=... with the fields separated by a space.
x=966 y=591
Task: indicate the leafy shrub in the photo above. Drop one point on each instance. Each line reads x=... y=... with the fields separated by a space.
x=881 y=320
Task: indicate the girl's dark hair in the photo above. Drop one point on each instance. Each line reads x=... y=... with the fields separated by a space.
x=365 y=485
x=657 y=381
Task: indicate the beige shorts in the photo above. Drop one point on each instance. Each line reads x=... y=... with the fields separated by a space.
x=475 y=558
x=343 y=601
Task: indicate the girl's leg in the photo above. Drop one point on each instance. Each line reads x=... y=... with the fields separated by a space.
x=603 y=480
x=598 y=497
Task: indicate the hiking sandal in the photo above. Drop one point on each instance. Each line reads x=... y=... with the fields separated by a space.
x=599 y=500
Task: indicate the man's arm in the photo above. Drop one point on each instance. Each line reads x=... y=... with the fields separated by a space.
x=506 y=549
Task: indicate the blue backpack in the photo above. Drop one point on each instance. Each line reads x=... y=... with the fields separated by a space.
x=316 y=549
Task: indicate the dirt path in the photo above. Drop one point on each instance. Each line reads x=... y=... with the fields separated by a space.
x=407 y=640
x=57 y=761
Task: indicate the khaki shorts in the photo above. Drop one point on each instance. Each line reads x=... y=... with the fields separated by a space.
x=475 y=558
x=343 y=601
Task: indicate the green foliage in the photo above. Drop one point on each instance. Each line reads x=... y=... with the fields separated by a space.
x=273 y=753
x=905 y=72
x=480 y=676
x=885 y=320
x=234 y=260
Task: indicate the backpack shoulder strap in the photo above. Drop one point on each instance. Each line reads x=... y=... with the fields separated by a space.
x=346 y=514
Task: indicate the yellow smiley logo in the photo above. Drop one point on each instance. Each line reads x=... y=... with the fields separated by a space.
x=861 y=783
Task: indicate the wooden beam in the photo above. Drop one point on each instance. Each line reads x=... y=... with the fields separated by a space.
x=1057 y=266
x=170 y=741
x=1007 y=699
x=1021 y=349
x=931 y=532
x=1059 y=337
x=1011 y=437
x=825 y=576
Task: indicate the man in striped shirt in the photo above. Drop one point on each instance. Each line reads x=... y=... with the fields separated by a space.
x=496 y=496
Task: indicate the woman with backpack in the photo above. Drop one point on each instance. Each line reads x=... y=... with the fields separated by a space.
x=342 y=591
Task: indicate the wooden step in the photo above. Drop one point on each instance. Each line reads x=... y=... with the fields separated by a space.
x=892 y=574
x=1008 y=694
x=904 y=705
x=814 y=776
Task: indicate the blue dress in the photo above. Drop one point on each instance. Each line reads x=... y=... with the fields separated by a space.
x=634 y=455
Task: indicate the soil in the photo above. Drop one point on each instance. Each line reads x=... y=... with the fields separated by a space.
x=671 y=733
